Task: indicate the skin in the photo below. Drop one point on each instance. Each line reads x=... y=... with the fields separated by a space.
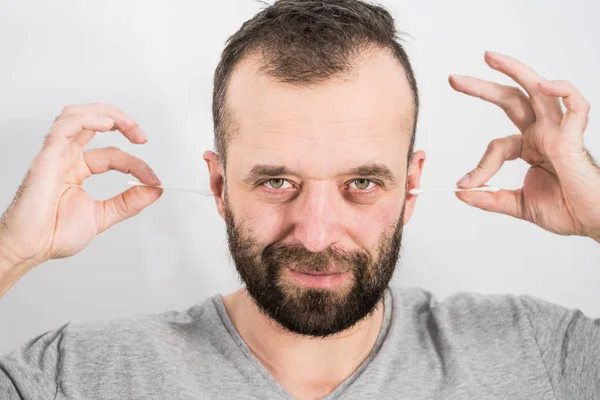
x=318 y=132
x=561 y=189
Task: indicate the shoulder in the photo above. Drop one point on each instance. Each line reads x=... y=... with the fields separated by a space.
x=161 y=322
x=138 y=333
x=458 y=302
x=482 y=332
x=466 y=314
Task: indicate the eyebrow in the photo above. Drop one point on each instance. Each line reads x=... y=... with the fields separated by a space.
x=372 y=170
x=266 y=171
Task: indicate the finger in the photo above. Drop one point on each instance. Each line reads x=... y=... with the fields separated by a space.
x=123 y=206
x=525 y=76
x=511 y=99
x=498 y=151
x=71 y=127
x=578 y=108
x=106 y=159
x=124 y=123
x=508 y=202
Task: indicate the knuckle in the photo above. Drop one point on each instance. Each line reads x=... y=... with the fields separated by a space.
x=521 y=114
x=120 y=207
x=515 y=91
x=108 y=107
x=117 y=110
x=56 y=127
x=67 y=110
x=481 y=167
x=512 y=96
x=112 y=153
x=512 y=106
x=587 y=107
x=494 y=146
x=568 y=84
x=127 y=205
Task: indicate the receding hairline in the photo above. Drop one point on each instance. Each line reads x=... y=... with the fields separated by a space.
x=255 y=58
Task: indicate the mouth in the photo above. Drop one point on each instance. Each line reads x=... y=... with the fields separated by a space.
x=317 y=279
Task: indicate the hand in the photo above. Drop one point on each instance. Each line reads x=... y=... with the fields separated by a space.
x=561 y=191
x=52 y=216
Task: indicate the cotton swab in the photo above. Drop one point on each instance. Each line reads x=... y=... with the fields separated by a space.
x=477 y=189
x=135 y=183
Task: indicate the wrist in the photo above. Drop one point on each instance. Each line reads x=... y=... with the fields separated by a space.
x=12 y=268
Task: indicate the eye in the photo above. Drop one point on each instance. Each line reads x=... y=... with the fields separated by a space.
x=362 y=184
x=277 y=184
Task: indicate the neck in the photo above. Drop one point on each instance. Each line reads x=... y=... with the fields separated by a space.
x=303 y=364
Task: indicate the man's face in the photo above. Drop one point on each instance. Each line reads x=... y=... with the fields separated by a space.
x=314 y=197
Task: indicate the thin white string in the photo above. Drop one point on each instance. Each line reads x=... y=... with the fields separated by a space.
x=413 y=191
x=198 y=192
x=477 y=189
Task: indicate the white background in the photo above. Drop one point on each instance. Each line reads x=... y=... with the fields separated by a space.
x=156 y=60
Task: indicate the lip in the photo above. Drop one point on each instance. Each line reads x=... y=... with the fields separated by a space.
x=319 y=280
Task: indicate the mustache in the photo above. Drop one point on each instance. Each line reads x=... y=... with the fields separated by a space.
x=279 y=254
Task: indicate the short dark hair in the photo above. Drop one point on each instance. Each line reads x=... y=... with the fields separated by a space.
x=305 y=42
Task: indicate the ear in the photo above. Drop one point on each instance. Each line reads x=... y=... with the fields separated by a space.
x=413 y=181
x=217 y=180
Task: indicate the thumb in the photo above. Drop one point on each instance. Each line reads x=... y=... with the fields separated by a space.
x=507 y=202
x=125 y=205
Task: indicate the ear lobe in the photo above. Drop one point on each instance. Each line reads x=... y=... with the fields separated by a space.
x=413 y=181
x=217 y=181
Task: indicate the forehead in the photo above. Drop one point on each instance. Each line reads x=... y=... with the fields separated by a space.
x=364 y=116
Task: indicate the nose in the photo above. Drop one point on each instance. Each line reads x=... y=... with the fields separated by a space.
x=317 y=216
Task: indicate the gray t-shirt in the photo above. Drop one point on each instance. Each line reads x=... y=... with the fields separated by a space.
x=468 y=346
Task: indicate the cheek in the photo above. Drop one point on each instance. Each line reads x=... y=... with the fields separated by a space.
x=366 y=225
x=267 y=222
x=362 y=225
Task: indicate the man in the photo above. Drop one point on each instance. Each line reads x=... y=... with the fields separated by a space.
x=315 y=109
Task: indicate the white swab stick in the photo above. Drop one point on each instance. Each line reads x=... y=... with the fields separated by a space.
x=477 y=189
x=135 y=183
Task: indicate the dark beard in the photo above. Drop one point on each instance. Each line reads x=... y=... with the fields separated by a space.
x=312 y=311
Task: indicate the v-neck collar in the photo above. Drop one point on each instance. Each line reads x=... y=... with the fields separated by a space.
x=270 y=380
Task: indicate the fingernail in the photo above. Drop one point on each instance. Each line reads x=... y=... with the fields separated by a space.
x=465 y=179
x=154 y=177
